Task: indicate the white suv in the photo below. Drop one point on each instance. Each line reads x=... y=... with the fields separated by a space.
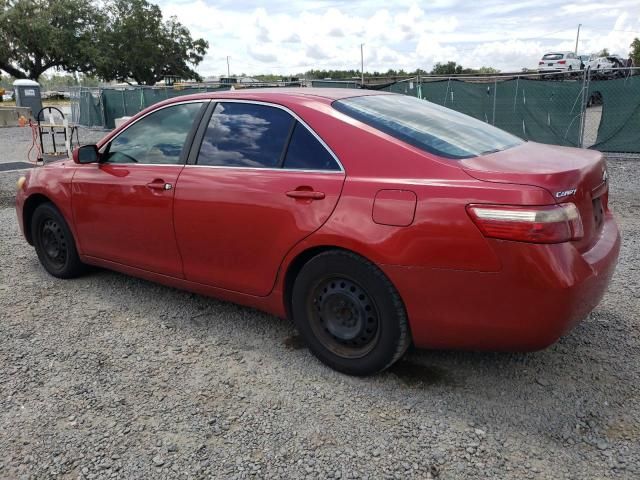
x=559 y=62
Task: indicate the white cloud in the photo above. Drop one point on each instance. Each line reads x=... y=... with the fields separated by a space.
x=291 y=37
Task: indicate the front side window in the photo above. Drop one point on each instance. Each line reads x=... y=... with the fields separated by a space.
x=427 y=126
x=245 y=135
x=157 y=138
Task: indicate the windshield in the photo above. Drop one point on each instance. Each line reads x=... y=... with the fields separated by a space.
x=427 y=126
x=553 y=56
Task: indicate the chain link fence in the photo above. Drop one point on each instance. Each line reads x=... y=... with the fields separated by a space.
x=99 y=107
x=589 y=109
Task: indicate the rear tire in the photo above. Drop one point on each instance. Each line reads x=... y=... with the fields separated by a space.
x=54 y=243
x=349 y=314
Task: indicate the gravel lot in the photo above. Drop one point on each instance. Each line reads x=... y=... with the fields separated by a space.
x=108 y=376
x=15 y=142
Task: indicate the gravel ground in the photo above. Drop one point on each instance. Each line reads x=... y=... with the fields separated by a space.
x=108 y=376
x=16 y=142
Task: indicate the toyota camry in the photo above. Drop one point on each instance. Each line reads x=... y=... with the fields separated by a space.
x=373 y=220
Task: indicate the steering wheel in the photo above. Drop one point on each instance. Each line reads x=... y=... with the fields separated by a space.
x=128 y=158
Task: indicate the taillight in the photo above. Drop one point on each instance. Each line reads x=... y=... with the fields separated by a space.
x=562 y=62
x=540 y=63
x=544 y=224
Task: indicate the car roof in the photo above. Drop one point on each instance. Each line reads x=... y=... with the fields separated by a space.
x=282 y=94
x=288 y=97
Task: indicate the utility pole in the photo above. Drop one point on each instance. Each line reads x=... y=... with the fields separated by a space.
x=228 y=70
x=361 y=65
x=577 y=38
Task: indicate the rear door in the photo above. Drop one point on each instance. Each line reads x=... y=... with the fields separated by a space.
x=260 y=182
x=123 y=206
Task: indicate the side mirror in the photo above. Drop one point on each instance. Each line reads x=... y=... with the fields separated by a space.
x=86 y=154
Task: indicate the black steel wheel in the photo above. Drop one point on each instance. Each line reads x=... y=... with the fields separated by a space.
x=349 y=313
x=54 y=243
x=345 y=316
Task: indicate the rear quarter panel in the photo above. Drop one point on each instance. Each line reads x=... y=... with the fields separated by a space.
x=442 y=235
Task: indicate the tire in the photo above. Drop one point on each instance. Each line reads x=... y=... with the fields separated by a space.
x=349 y=314
x=54 y=243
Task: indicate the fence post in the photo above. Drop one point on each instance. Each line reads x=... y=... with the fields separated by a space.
x=124 y=104
x=102 y=109
x=583 y=106
x=447 y=92
x=495 y=91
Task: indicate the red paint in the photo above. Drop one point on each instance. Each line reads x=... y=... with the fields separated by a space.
x=394 y=207
x=118 y=217
x=233 y=233
x=235 y=225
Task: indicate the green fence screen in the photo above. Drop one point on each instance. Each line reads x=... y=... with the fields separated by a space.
x=554 y=111
x=100 y=107
x=619 y=126
x=543 y=111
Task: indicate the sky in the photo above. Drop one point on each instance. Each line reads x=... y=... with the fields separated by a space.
x=291 y=36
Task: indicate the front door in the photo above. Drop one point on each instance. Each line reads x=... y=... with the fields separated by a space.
x=123 y=206
x=262 y=182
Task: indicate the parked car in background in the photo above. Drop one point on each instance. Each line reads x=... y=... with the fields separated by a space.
x=611 y=66
x=373 y=220
x=559 y=62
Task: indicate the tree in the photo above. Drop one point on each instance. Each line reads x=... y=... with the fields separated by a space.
x=449 y=68
x=135 y=43
x=36 y=35
x=452 y=68
x=487 y=70
x=603 y=53
x=634 y=54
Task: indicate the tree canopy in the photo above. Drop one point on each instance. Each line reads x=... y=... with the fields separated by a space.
x=97 y=38
x=634 y=54
x=36 y=35
x=162 y=48
x=452 y=68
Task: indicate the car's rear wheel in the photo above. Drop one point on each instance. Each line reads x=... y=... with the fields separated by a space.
x=54 y=243
x=349 y=314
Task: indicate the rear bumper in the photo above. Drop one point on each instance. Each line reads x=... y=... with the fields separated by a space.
x=552 y=70
x=541 y=292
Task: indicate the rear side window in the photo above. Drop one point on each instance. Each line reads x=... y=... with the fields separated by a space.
x=245 y=135
x=427 y=126
x=305 y=152
x=553 y=56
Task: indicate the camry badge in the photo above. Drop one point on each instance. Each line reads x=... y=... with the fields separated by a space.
x=565 y=193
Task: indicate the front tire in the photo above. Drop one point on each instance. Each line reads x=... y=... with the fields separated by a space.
x=349 y=314
x=54 y=243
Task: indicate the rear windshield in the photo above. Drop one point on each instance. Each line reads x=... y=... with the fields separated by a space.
x=427 y=126
x=553 y=56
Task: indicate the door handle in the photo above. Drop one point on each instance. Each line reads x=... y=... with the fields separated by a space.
x=306 y=194
x=159 y=185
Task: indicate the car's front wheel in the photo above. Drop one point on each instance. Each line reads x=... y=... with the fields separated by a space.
x=349 y=314
x=54 y=243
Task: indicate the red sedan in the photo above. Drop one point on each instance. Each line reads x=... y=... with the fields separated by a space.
x=373 y=220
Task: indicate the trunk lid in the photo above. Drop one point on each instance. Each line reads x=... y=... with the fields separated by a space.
x=568 y=174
